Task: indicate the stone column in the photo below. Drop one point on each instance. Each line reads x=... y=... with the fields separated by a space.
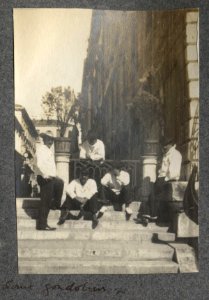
x=62 y=158
x=189 y=148
x=149 y=164
x=62 y=163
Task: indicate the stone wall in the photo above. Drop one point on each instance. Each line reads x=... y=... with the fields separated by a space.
x=110 y=76
x=156 y=51
x=169 y=62
x=190 y=146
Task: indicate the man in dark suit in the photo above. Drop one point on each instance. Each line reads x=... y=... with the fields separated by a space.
x=51 y=186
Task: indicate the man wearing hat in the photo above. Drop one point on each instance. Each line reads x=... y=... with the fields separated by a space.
x=93 y=152
x=93 y=148
x=170 y=171
x=51 y=186
x=115 y=188
x=82 y=194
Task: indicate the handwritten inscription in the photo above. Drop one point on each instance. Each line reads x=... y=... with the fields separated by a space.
x=73 y=287
x=11 y=285
x=48 y=288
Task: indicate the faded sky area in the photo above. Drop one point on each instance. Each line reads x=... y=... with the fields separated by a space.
x=50 y=46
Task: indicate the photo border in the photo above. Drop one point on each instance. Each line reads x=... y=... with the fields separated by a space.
x=155 y=286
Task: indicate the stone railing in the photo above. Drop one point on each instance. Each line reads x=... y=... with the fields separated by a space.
x=98 y=170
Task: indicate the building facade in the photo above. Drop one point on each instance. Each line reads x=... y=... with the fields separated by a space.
x=141 y=82
x=25 y=147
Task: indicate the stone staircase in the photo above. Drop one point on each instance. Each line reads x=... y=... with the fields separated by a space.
x=114 y=247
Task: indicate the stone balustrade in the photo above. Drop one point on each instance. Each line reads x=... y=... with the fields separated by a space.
x=98 y=170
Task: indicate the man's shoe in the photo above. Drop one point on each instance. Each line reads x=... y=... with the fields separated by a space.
x=47 y=228
x=128 y=213
x=141 y=220
x=61 y=221
x=138 y=220
x=95 y=222
x=63 y=218
x=128 y=216
x=146 y=216
x=145 y=222
x=100 y=214
x=151 y=219
x=80 y=214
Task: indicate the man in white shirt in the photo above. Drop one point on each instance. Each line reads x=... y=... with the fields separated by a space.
x=51 y=186
x=115 y=188
x=93 y=148
x=170 y=171
x=82 y=194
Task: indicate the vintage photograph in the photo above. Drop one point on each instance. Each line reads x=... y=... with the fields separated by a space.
x=106 y=140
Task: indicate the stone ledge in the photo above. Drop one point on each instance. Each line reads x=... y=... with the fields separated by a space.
x=186 y=228
x=177 y=190
x=193 y=86
x=192 y=17
x=185 y=257
x=97 y=267
x=191 y=33
x=191 y=53
x=193 y=71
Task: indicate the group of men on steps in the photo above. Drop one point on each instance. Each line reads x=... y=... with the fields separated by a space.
x=89 y=195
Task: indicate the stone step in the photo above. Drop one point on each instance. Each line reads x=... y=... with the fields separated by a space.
x=95 y=267
x=186 y=257
x=88 y=234
x=92 y=250
x=108 y=215
x=26 y=203
x=81 y=224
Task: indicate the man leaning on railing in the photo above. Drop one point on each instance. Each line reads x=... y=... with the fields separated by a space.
x=92 y=149
x=170 y=171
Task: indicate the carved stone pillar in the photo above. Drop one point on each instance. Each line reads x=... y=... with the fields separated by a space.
x=149 y=165
x=62 y=158
x=62 y=163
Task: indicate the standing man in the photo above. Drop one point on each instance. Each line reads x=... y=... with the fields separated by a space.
x=82 y=194
x=170 y=171
x=51 y=187
x=93 y=148
x=115 y=188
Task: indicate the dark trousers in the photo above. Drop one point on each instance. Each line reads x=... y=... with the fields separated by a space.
x=157 y=205
x=92 y=205
x=51 y=194
x=116 y=200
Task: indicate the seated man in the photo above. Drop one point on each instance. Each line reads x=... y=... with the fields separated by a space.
x=81 y=194
x=169 y=171
x=115 y=188
x=93 y=148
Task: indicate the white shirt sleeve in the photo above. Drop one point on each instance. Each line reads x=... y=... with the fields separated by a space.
x=92 y=189
x=174 y=166
x=124 y=178
x=70 y=189
x=106 y=179
x=82 y=152
x=45 y=162
x=99 y=151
